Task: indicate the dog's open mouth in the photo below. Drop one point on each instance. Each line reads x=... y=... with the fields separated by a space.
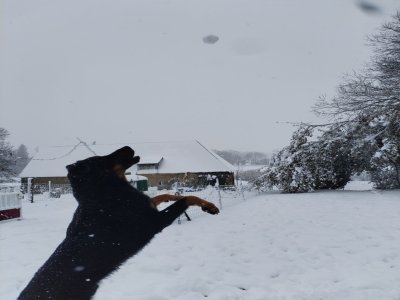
x=120 y=171
x=124 y=157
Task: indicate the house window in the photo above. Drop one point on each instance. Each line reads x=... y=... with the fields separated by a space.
x=147 y=167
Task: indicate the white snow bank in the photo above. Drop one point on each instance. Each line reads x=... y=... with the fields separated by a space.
x=325 y=245
x=359 y=186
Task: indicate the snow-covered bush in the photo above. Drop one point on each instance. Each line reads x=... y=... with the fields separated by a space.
x=306 y=165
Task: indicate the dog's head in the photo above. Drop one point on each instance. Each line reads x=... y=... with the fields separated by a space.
x=99 y=167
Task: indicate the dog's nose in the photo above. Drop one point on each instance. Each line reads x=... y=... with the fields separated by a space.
x=125 y=156
x=70 y=167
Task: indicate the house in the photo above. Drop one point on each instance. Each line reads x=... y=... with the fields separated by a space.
x=188 y=163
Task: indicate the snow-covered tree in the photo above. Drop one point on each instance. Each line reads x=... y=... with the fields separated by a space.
x=22 y=158
x=364 y=132
x=7 y=159
x=375 y=91
x=368 y=104
x=332 y=157
x=385 y=163
x=286 y=170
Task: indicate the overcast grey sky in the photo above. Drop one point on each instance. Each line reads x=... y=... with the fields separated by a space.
x=125 y=71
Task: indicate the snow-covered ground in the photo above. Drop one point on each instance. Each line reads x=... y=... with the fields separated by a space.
x=324 y=245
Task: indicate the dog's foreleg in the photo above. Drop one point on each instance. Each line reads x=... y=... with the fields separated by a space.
x=190 y=200
x=203 y=204
x=168 y=215
x=157 y=200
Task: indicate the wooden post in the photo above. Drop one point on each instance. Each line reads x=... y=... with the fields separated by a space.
x=30 y=190
x=219 y=198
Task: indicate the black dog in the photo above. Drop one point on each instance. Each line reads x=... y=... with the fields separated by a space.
x=112 y=223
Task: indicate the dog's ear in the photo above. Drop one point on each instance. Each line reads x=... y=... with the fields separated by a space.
x=125 y=156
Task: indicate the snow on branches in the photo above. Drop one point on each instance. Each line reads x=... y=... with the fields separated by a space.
x=364 y=134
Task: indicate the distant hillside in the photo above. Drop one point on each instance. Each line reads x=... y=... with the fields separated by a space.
x=244 y=158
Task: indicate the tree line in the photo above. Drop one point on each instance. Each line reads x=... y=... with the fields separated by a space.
x=362 y=132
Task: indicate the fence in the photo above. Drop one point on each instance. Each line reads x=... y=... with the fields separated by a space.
x=10 y=203
x=221 y=196
x=37 y=192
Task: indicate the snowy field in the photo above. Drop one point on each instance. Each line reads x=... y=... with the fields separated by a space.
x=325 y=245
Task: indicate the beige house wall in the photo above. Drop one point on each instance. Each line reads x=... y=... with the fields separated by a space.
x=165 y=181
x=161 y=181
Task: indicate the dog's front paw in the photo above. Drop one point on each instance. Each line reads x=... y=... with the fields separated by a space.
x=210 y=208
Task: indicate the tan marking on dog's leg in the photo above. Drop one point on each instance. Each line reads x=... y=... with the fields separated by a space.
x=190 y=201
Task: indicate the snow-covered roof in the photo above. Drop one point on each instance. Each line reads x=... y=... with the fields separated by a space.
x=177 y=157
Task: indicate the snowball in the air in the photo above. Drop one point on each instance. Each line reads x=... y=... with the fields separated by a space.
x=210 y=39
